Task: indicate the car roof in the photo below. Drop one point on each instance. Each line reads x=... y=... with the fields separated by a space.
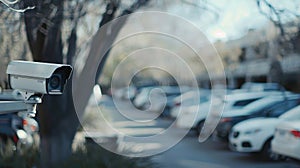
x=194 y=92
x=260 y=104
x=270 y=99
x=248 y=95
x=254 y=86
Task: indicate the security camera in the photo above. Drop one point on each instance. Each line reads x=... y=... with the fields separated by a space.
x=30 y=80
x=37 y=77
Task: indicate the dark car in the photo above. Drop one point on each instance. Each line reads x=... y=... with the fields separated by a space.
x=271 y=106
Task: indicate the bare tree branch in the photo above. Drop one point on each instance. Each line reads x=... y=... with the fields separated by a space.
x=9 y=4
x=206 y=6
x=273 y=11
x=276 y=15
x=135 y=6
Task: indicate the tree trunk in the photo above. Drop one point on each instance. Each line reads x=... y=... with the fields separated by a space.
x=83 y=83
x=55 y=148
x=57 y=117
x=275 y=73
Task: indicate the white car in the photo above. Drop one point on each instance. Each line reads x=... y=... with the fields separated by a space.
x=189 y=99
x=141 y=98
x=254 y=87
x=270 y=107
x=255 y=135
x=156 y=98
x=234 y=101
x=129 y=92
x=125 y=93
x=286 y=140
x=161 y=100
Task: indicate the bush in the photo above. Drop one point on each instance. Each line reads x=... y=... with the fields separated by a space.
x=27 y=158
x=87 y=156
x=94 y=156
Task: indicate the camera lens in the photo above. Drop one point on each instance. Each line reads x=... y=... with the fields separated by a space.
x=54 y=82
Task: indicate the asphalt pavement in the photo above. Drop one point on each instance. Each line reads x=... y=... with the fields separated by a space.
x=187 y=153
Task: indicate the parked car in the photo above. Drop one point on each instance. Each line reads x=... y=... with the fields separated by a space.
x=142 y=97
x=271 y=106
x=254 y=87
x=233 y=101
x=162 y=102
x=255 y=135
x=286 y=140
x=189 y=99
x=127 y=93
x=259 y=87
x=157 y=98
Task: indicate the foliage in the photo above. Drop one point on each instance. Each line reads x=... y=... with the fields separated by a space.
x=27 y=158
x=91 y=156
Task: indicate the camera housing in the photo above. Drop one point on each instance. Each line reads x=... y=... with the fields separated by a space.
x=38 y=77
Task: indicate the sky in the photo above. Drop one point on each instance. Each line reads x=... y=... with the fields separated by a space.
x=236 y=17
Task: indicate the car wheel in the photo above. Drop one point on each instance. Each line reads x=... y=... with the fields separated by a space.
x=267 y=154
x=2 y=146
x=199 y=127
x=166 y=112
x=146 y=106
x=282 y=158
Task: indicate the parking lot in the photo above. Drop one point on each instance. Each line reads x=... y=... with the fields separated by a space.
x=188 y=153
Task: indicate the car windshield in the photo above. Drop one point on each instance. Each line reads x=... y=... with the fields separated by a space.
x=293 y=114
x=240 y=100
x=262 y=103
x=237 y=104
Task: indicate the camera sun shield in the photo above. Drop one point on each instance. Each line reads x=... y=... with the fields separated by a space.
x=37 y=77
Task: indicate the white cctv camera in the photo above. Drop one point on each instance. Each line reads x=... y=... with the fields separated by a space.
x=38 y=78
x=30 y=80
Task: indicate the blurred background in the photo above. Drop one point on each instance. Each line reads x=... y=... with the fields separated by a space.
x=257 y=42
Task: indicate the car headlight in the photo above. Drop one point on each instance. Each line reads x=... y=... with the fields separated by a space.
x=253 y=131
